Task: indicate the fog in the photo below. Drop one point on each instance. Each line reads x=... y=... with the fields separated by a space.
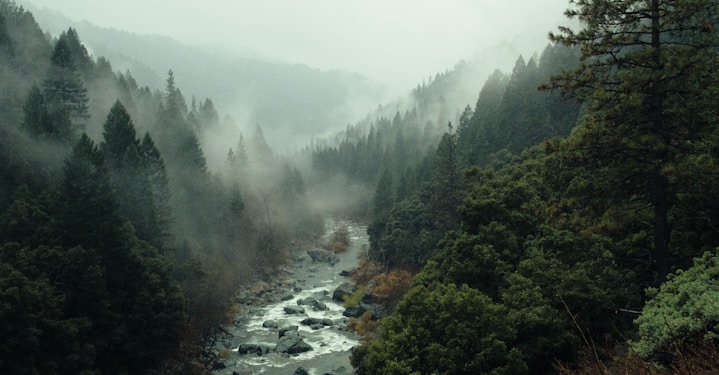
x=397 y=43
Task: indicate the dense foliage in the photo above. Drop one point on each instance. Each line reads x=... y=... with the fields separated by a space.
x=120 y=249
x=559 y=234
x=536 y=231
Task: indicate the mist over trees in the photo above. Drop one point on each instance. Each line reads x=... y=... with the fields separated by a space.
x=120 y=247
x=247 y=86
x=572 y=216
x=562 y=222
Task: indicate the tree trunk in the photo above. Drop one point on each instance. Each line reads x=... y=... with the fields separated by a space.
x=661 y=193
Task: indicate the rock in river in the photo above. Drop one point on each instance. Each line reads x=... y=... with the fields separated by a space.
x=342 y=289
x=288 y=330
x=292 y=344
x=354 y=311
x=323 y=256
x=317 y=322
x=253 y=349
x=294 y=310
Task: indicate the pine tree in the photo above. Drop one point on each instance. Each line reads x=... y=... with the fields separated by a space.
x=130 y=174
x=208 y=115
x=63 y=87
x=154 y=168
x=171 y=113
x=447 y=183
x=645 y=69
x=120 y=137
x=86 y=201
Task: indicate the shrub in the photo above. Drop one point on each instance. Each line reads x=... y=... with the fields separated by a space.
x=339 y=241
x=364 y=326
x=366 y=271
x=354 y=299
x=391 y=287
x=685 y=310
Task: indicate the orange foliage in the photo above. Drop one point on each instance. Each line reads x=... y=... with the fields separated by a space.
x=364 y=326
x=391 y=287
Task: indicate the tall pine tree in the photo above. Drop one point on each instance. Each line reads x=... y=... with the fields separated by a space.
x=645 y=66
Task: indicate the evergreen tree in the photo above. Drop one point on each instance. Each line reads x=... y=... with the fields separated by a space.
x=383 y=201
x=241 y=153
x=77 y=52
x=130 y=174
x=46 y=121
x=63 y=87
x=36 y=119
x=171 y=113
x=120 y=139
x=484 y=119
x=208 y=115
x=646 y=67
x=447 y=183
x=86 y=201
x=260 y=148
x=154 y=168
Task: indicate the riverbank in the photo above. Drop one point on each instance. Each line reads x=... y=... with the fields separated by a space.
x=299 y=297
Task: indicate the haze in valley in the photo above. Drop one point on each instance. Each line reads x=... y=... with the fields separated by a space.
x=396 y=43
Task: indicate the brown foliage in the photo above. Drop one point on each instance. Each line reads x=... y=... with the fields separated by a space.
x=340 y=240
x=364 y=326
x=366 y=271
x=390 y=287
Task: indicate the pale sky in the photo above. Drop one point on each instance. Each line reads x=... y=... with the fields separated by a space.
x=396 y=42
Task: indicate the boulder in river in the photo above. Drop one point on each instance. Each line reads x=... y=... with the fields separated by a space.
x=317 y=321
x=258 y=349
x=320 y=306
x=269 y=324
x=292 y=344
x=341 y=290
x=323 y=256
x=285 y=330
x=354 y=311
x=300 y=371
x=294 y=310
x=349 y=272
x=309 y=301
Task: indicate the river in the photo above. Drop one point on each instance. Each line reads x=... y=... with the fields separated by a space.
x=304 y=280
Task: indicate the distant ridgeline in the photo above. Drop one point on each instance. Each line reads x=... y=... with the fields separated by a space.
x=510 y=115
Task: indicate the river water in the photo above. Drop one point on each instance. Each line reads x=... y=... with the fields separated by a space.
x=304 y=279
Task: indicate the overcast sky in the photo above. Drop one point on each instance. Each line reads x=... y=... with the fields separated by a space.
x=396 y=42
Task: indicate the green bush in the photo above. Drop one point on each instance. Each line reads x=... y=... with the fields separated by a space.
x=444 y=329
x=685 y=310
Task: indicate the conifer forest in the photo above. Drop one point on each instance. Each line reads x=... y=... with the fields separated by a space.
x=556 y=217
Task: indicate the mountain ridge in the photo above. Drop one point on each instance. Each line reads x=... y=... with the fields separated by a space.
x=249 y=87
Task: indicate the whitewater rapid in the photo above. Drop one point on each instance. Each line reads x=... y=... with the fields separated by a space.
x=305 y=280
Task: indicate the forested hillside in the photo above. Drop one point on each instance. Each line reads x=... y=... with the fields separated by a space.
x=292 y=101
x=563 y=223
x=565 y=230
x=119 y=247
